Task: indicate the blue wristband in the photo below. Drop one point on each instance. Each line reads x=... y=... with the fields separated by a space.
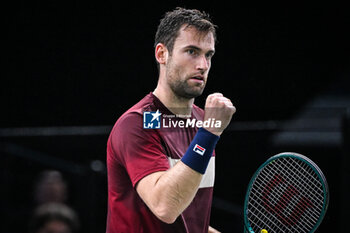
x=200 y=150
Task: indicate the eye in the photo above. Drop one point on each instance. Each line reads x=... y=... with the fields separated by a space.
x=209 y=55
x=191 y=51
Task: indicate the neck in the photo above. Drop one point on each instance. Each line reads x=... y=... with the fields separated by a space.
x=176 y=104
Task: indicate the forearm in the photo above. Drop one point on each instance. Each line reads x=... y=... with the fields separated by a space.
x=212 y=230
x=172 y=191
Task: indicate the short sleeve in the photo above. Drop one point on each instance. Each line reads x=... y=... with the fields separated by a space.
x=139 y=150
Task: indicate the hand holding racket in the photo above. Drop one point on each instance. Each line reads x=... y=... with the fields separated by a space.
x=288 y=193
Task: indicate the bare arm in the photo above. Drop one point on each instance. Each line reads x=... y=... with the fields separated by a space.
x=212 y=230
x=168 y=193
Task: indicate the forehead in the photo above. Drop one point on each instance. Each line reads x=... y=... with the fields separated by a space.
x=191 y=36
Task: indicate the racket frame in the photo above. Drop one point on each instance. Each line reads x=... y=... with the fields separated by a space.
x=305 y=159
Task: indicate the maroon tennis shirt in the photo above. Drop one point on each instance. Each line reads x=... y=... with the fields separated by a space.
x=133 y=153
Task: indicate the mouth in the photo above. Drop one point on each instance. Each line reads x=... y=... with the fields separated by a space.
x=198 y=78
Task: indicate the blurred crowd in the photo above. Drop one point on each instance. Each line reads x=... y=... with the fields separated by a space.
x=51 y=212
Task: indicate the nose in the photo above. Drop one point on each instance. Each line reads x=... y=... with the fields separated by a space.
x=203 y=63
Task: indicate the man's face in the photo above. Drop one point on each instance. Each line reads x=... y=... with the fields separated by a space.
x=188 y=66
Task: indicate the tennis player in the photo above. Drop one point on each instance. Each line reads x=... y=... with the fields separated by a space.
x=161 y=174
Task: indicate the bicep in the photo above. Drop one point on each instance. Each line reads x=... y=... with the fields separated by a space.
x=168 y=193
x=146 y=185
x=149 y=193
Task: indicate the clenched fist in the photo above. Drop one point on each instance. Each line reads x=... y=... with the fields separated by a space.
x=218 y=108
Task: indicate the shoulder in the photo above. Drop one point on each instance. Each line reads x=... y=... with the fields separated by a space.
x=130 y=124
x=145 y=104
x=133 y=116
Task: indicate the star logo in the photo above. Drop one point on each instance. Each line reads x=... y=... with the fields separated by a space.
x=156 y=115
x=151 y=120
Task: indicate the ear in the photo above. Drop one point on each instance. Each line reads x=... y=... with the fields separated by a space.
x=161 y=53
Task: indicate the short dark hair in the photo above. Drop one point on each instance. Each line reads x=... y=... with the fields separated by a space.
x=168 y=29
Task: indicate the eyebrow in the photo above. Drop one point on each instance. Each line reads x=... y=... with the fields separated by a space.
x=199 y=49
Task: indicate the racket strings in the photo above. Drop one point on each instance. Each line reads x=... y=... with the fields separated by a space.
x=279 y=195
x=306 y=173
x=311 y=189
x=262 y=219
x=297 y=182
x=289 y=207
x=290 y=204
x=268 y=219
x=286 y=208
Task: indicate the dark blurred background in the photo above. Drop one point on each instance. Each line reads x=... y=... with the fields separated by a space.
x=72 y=68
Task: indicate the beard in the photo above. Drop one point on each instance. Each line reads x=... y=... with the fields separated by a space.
x=179 y=83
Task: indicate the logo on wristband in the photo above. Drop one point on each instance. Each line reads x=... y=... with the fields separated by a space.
x=198 y=149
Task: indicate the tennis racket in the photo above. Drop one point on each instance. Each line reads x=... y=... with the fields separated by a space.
x=288 y=193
